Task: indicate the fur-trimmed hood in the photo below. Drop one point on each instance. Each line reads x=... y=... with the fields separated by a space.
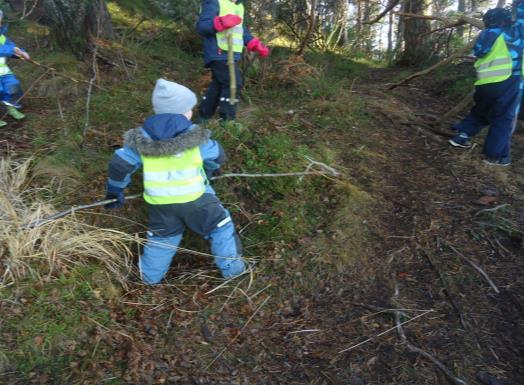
x=145 y=145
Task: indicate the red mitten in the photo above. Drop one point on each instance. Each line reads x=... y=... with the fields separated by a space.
x=221 y=23
x=257 y=46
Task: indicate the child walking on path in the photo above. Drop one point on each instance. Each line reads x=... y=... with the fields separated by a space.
x=175 y=156
x=498 y=89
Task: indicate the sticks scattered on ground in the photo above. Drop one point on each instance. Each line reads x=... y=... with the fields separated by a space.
x=475 y=266
x=416 y=349
x=238 y=334
x=385 y=331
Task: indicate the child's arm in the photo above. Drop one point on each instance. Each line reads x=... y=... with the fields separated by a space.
x=8 y=49
x=205 y=24
x=122 y=166
x=485 y=42
x=213 y=155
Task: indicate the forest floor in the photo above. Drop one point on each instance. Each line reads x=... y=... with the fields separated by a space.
x=332 y=256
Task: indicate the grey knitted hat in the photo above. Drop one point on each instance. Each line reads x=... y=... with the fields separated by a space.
x=172 y=98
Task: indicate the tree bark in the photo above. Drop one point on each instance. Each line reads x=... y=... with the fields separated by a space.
x=416 y=42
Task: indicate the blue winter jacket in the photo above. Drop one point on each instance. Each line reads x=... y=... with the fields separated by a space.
x=164 y=134
x=7 y=49
x=513 y=35
x=206 y=29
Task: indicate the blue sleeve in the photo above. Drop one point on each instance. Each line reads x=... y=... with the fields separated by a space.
x=247 y=35
x=122 y=166
x=485 y=41
x=517 y=29
x=7 y=49
x=205 y=26
x=213 y=155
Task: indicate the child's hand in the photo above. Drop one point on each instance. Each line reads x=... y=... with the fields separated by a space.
x=21 y=54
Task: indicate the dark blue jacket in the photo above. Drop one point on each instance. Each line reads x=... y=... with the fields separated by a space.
x=206 y=29
x=513 y=36
x=7 y=49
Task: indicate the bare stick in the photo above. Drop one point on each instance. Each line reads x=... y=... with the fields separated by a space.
x=71 y=210
x=57 y=73
x=496 y=208
x=462 y=18
x=449 y=59
x=385 y=332
x=238 y=334
x=231 y=66
x=475 y=266
x=415 y=349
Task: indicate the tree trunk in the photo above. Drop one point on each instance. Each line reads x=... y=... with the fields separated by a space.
x=309 y=32
x=461 y=8
x=416 y=42
x=72 y=22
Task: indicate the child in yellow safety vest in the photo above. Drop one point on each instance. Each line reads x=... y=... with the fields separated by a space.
x=498 y=89
x=177 y=157
x=218 y=18
x=10 y=90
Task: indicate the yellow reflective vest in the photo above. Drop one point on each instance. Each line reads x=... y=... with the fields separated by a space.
x=496 y=66
x=228 y=7
x=173 y=178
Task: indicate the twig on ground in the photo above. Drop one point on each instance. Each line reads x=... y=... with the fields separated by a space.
x=385 y=332
x=475 y=266
x=493 y=209
x=238 y=334
x=416 y=349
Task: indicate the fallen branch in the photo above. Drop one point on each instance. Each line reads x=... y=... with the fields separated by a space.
x=392 y=4
x=416 y=349
x=461 y=19
x=449 y=59
x=475 y=266
x=323 y=166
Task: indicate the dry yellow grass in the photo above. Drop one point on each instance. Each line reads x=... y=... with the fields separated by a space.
x=54 y=247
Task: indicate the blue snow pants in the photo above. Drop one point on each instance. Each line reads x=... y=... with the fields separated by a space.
x=207 y=217
x=10 y=90
x=496 y=105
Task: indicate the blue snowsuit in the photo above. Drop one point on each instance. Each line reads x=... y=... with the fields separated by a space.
x=217 y=94
x=498 y=104
x=10 y=90
x=170 y=134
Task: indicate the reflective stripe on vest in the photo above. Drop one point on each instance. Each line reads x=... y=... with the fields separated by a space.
x=496 y=66
x=4 y=69
x=174 y=178
x=228 y=7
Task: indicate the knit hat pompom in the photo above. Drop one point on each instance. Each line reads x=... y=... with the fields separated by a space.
x=172 y=98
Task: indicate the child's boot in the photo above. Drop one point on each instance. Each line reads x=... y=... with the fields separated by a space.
x=12 y=111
